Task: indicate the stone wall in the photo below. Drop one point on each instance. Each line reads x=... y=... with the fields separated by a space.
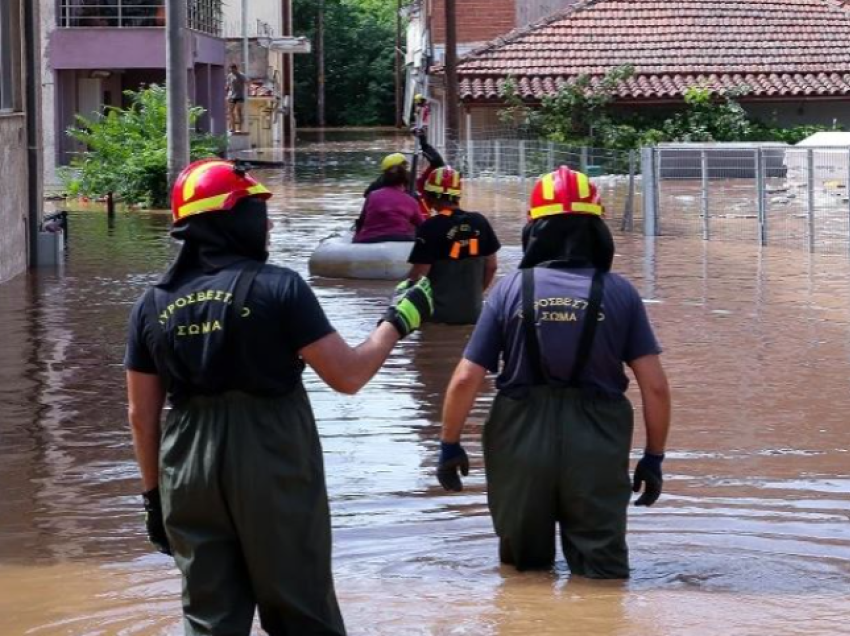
x=13 y=203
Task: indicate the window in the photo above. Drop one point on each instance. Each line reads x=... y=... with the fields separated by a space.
x=7 y=57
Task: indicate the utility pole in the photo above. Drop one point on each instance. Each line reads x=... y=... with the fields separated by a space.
x=452 y=99
x=177 y=89
x=399 y=93
x=245 y=50
x=320 y=62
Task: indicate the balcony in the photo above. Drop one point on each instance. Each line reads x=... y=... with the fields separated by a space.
x=204 y=16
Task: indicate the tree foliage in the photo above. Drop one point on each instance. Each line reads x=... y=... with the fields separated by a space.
x=584 y=113
x=127 y=150
x=359 y=62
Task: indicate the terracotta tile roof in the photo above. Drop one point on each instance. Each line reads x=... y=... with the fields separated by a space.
x=780 y=48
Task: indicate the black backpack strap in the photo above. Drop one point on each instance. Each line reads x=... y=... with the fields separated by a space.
x=529 y=324
x=591 y=320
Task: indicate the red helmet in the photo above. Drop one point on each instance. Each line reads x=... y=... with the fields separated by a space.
x=444 y=182
x=564 y=192
x=212 y=185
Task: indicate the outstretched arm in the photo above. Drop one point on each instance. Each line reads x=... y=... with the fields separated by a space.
x=347 y=369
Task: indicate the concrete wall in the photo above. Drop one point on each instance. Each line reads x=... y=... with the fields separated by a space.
x=49 y=113
x=13 y=203
x=262 y=14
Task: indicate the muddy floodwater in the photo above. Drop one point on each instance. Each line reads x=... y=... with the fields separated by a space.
x=751 y=537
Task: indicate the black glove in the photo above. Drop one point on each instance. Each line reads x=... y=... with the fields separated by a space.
x=648 y=474
x=154 y=521
x=412 y=305
x=452 y=458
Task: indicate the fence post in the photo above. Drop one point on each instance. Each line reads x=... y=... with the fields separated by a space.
x=470 y=154
x=583 y=164
x=810 y=198
x=551 y=157
x=497 y=159
x=703 y=160
x=761 y=196
x=649 y=176
x=522 y=160
x=629 y=211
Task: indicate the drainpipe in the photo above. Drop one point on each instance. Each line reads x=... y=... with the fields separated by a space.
x=33 y=112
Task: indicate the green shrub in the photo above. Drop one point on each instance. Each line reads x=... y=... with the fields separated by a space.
x=584 y=113
x=126 y=150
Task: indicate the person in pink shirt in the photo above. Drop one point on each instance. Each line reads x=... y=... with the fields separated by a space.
x=390 y=213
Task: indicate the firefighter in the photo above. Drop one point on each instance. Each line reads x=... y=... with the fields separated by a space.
x=455 y=249
x=558 y=437
x=234 y=484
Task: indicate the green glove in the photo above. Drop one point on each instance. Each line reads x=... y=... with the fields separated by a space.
x=411 y=307
x=401 y=290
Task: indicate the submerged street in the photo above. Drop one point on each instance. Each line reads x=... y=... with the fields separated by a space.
x=751 y=535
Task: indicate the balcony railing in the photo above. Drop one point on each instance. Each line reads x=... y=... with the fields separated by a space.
x=202 y=15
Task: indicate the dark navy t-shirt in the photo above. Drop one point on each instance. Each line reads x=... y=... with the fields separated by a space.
x=623 y=333
x=282 y=316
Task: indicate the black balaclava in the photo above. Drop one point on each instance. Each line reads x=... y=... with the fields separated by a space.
x=215 y=240
x=574 y=240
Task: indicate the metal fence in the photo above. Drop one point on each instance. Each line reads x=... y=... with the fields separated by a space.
x=515 y=164
x=773 y=195
x=770 y=194
x=202 y=15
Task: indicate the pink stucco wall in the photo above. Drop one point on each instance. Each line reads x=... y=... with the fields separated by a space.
x=125 y=48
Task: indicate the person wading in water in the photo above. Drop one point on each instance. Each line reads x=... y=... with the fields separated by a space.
x=558 y=437
x=234 y=483
x=455 y=249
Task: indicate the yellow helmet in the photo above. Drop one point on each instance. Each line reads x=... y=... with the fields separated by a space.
x=393 y=160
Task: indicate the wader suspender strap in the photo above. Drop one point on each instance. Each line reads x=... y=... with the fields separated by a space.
x=588 y=333
x=529 y=325
x=532 y=344
x=244 y=282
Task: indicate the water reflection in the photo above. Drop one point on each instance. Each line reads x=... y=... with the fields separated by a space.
x=751 y=538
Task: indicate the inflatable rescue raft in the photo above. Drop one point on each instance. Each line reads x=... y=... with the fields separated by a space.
x=337 y=257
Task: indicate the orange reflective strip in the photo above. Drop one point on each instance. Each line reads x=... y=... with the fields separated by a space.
x=191 y=183
x=583 y=185
x=455 y=253
x=548 y=183
x=473 y=247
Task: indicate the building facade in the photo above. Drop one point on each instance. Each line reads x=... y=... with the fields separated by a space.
x=95 y=50
x=789 y=56
x=19 y=81
x=478 y=23
x=269 y=114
